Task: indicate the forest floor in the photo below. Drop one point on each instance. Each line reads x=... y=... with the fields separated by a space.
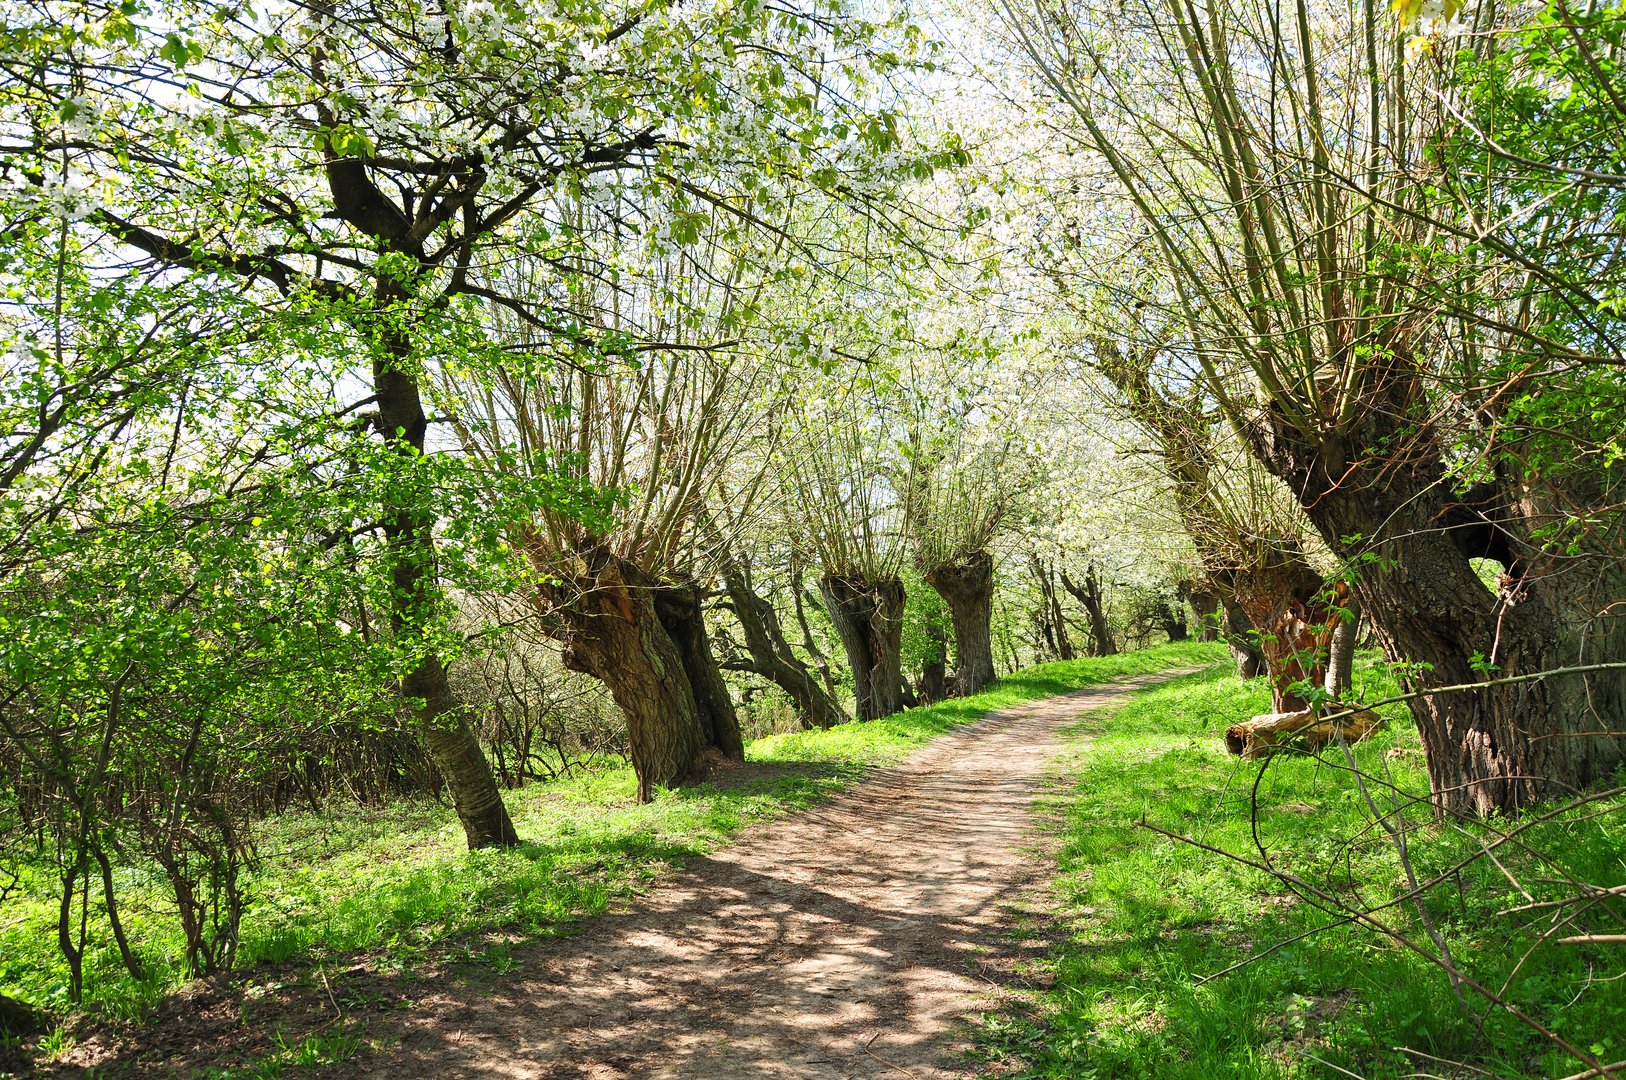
x=851 y=939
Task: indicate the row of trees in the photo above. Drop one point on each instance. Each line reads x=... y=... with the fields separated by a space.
x=1354 y=273
x=359 y=351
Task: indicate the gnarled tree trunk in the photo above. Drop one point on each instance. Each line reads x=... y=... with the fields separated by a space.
x=967 y=587
x=610 y=629
x=801 y=598
x=934 y=670
x=1173 y=621
x=1283 y=596
x=771 y=655
x=1501 y=748
x=1049 y=622
x=868 y=617
x=1241 y=640
x=1089 y=594
x=1205 y=605
x=681 y=613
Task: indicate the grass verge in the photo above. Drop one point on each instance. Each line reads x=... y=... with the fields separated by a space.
x=1143 y=918
x=396 y=883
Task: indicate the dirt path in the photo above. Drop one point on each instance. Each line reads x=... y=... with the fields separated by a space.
x=842 y=942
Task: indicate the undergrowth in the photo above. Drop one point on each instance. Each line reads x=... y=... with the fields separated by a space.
x=397 y=884
x=1145 y=919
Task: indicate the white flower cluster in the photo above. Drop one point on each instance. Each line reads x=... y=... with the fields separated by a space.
x=79 y=117
x=69 y=199
x=483 y=23
x=1436 y=19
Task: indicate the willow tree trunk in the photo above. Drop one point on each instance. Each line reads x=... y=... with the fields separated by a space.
x=1173 y=620
x=1205 y=604
x=1049 y=622
x=771 y=655
x=868 y=617
x=967 y=587
x=611 y=631
x=801 y=599
x=1501 y=747
x=1341 y=650
x=442 y=720
x=1241 y=639
x=934 y=669
x=1090 y=596
x=1284 y=597
x=683 y=617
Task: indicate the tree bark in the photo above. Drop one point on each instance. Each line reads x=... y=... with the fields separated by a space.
x=1500 y=748
x=1205 y=605
x=868 y=617
x=1341 y=650
x=967 y=587
x=1303 y=730
x=606 y=618
x=906 y=693
x=1284 y=596
x=683 y=617
x=442 y=720
x=1267 y=576
x=1507 y=747
x=448 y=738
x=1089 y=594
x=934 y=671
x=771 y=655
x=801 y=598
x=1173 y=621
x=1240 y=639
x=1050 y=623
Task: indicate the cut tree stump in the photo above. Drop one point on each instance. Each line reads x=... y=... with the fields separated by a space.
x=1300 y=730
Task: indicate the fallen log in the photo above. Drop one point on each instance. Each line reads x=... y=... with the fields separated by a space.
x=1301 y=730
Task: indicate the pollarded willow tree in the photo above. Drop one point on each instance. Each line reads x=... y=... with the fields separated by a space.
x=1399 y=312
x=363 y=164
x=1249 y=535
x=755 y=565
x=685 y=308
x=621 y=588
x=838 y=458
x=968 y=470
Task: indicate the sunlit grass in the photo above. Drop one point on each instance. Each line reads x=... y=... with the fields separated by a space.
x=396 y=883
x=1146 y=917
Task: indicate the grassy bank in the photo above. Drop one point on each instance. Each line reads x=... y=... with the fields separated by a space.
x=396 y=884
x=1144 y=917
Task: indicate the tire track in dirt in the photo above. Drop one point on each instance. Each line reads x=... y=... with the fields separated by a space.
x=847 y=941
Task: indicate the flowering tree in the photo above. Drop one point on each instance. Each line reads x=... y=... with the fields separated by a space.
x=366 y=168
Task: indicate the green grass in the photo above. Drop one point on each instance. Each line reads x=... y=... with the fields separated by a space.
x=396 y=883
x=1143 y=917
